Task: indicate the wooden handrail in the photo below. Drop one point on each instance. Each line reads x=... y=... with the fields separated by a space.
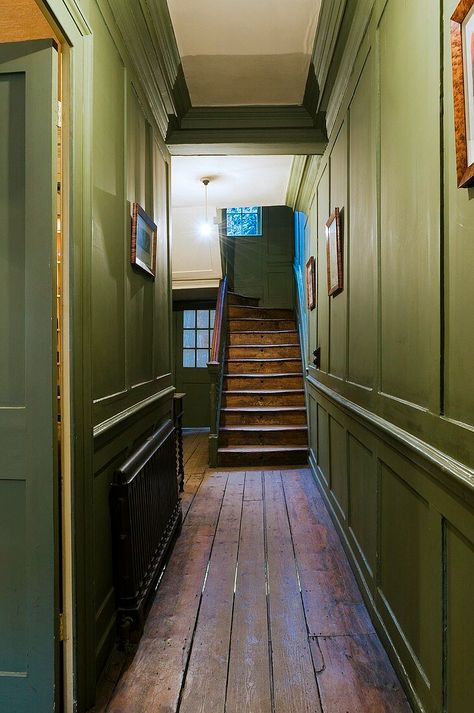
x=218 y=322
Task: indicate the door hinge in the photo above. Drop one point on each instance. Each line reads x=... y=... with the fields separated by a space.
x=59 y=121
x=62 y=627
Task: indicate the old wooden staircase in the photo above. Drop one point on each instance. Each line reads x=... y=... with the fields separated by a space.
x=258 y=412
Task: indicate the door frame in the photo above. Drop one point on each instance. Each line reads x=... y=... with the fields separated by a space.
x=75 y=34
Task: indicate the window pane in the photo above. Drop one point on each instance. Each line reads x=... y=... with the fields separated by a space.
x=203 y=338
x=249 y=224
x=189 y=318
x=189 y=358
x=189 y=338
x=203 y=318
x=233 y=224
x=202 y=357
x=212 y=316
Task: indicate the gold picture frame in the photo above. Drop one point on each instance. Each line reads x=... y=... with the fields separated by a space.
x=334 y=253
x=143 y=241
x=462 y=55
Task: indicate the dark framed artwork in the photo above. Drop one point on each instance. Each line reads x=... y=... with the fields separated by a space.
x=334 y=253
x=143 y=241
x=462 y=55
x=311 y=283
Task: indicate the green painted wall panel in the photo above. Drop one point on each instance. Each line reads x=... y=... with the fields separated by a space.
x=362 y=247
x=459 y=261
x=338 y=448
x=323 y=443
x=12 y=247
x=338 y=303
x=263 y=266
x=363 y=499
x=13 y=610
x=322 y=289
x=410 y=575
x=109 y=209
x=410 y=200
x=460 y=620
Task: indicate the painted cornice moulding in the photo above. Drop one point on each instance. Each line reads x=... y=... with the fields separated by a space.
x=360 y=23
x=327 y=32
x=294 y=182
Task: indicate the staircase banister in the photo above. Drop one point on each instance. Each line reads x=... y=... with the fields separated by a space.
x=218 y=322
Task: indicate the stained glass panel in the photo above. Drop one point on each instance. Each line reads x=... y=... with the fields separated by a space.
x=244 y=221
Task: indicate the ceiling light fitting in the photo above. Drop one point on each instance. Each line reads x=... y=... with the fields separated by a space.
x=205 y=228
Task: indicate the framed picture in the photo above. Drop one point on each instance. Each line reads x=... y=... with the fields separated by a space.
x=311 y=283
x=334 y=253
x=143 y=241
x=462 y=54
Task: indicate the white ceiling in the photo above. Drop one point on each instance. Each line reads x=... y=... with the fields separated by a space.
x=238 y=52
x=235 y=180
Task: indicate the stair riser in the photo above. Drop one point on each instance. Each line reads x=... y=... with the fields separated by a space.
x=262 y=459
x=238 y=312
x=269 y=352
x=259 y=325
x=295 y=418
x=263 y=367
x=233 y=400
x=249 y=383
x=236 y=338
x=262 y=438
x=241 y=300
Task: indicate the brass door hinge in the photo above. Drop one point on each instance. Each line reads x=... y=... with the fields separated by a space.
x=62 y=627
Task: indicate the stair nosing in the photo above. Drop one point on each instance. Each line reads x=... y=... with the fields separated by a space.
x=233 y=375
x=252 y=448
x=270 y=428
x=264 y=409
x=263 y=391
x=265 y=359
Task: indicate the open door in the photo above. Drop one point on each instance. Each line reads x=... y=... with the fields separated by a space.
x=28 y=441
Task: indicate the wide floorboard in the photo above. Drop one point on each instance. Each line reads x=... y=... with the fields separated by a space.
x=257 y=611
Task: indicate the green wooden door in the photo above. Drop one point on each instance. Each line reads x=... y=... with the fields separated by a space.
x=28 y=472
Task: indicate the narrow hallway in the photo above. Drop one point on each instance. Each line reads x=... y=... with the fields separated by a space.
x=257 y=610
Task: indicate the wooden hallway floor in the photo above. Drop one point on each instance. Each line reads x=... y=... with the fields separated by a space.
x=257 y=611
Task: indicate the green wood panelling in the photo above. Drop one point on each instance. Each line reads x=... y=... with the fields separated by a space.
x=460 y=620
x=28 y=472
x=362 y=486
x=338 y=303
x=361 y=246
x=405 y=511
x=410 y=200
x=263 y=266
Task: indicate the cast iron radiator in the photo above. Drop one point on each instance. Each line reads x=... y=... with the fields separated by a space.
x=146 y=514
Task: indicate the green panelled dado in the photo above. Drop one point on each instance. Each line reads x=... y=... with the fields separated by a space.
x=392 y=407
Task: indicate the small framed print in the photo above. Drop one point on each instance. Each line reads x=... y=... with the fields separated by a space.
x=462 y=55
x=334 y=253
x=143 y=241
x=311 y=283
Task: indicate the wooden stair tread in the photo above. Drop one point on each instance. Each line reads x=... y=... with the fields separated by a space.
x=264 y=427
x=269 y=331
x=264 y=359
x=261 y=449
x=263 y=391
x=261 y=346
x=262 y=376
x=258 y=409
x=260 y=319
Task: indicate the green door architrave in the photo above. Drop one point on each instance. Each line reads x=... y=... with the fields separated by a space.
x=28 y=440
